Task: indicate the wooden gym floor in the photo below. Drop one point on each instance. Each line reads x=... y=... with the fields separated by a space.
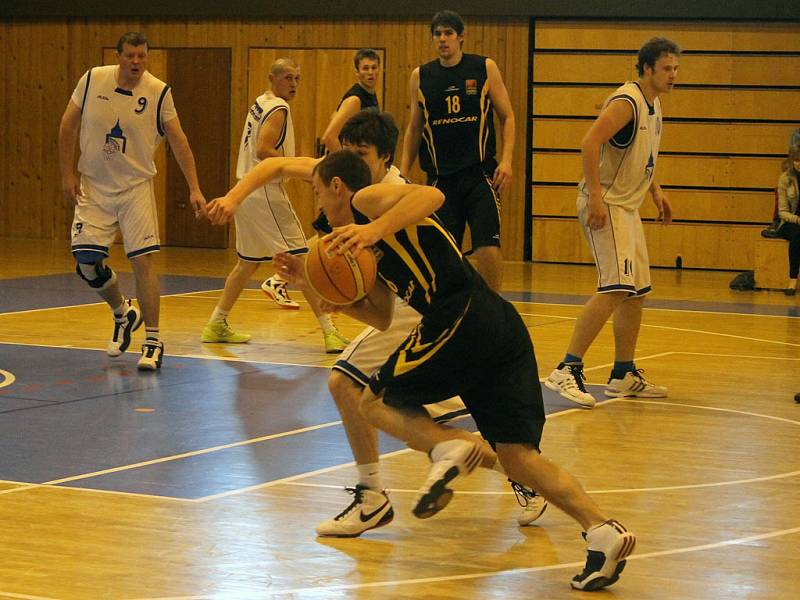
x=206 y=480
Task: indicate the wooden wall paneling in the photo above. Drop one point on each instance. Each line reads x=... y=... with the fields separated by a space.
x=687 y=205
x=688 y=103
x=700 y=246
x=695 y=69
x=677 y=136
x=697 y=171
x=701 y=35
x=731 y=153
x=569 y=67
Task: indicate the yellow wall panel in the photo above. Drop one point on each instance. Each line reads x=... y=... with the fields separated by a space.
x=701 y=171
x=692 y=205
x=730 y=37
x=701 y=69
x=682 y=102
x=700 y=246
x=712 y=138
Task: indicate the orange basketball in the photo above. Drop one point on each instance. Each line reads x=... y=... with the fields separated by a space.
x=340 y=278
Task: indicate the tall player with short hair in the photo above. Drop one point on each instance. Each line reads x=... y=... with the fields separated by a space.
x=451 y=127
x=266 y=222
x=122 y=112
x=619 y=159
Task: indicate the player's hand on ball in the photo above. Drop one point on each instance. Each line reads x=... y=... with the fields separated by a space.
x=353 y=238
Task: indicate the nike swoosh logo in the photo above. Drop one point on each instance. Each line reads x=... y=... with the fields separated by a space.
x=368 y=516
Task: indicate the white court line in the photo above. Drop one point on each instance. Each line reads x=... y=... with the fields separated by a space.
x=728 y=335
x=634 y=490
x=484 y=574
x=677 y=310
x=24 y=596
x=198 y=356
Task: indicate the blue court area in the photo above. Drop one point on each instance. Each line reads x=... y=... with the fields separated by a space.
x=66 y=289
x=72 y=413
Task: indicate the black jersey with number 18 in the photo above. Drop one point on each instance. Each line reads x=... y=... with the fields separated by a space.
x=458 y=128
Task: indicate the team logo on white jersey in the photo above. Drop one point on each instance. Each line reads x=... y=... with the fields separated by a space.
x=115 y=142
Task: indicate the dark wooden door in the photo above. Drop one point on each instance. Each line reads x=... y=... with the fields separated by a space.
x=201 y=82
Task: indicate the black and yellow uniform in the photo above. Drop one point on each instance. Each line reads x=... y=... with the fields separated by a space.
x=458 y=146
x=367 y=100
x=470 y=342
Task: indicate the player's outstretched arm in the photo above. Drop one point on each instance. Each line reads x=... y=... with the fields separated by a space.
x=349 y=107
x=221 y=210
x=390 y=208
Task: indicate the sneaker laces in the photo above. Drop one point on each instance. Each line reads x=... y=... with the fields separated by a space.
x=577 y=375
x=279 y=287
x=524 y=495
x=358 y=492
x=224 y=326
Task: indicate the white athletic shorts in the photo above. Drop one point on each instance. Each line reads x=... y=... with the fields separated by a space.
x=266 y=224
x=98 y=217
x=370 y=349
x=619 y=249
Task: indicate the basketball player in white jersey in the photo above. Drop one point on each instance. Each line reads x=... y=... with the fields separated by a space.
x=122 y=112
x=266 y=222
x=619 y=159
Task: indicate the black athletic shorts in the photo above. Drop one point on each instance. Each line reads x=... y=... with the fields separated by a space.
x=486 y=357
x=470 y=199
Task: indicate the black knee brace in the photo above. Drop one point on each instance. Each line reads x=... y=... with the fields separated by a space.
x=97 y=275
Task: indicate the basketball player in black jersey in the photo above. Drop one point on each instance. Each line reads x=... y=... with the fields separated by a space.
x=360 y=96
x=451 y=127
x=470 y=342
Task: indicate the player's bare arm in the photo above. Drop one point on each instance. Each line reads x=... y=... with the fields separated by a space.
x=221 y=210
x=185 y=159
x=67 y=139
x=391 y=208
x=502 y=105
x=347 y=109
x=613 y=118
x=375 y=309
x=662 y=203
x=269 y=135
x=413 y=134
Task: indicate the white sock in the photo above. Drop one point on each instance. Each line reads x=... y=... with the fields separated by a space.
x=369 y=476
x=277 y=279
x=218 y=315
x=792 y=284
x=151 y=333
x=120 y=310
x=326 y=323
